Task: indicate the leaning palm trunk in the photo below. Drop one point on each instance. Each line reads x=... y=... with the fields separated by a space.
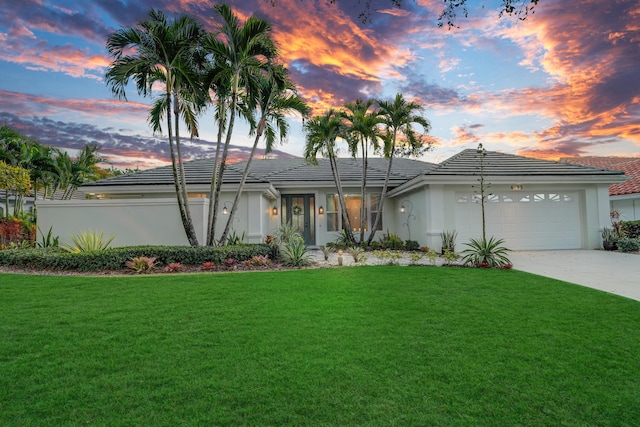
x=188 y=221
x=184 y=215
x=223 y=162
x=227 y=227
x=346 y=225
x=383 y=194
x=363 y=189
x=212 y=217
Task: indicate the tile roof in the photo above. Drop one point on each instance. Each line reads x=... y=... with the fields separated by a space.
x=467 y=163
x=282 y=172
x=275 y=171
x=629 y=165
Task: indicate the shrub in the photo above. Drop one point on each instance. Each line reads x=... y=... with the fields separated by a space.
x=48 y=241
x=626 y=244
x=260 y=260
x=295 y=254
x=631 y=229
x=326 y=251
x=448 y=240
x=88 y=241
x=411 y=245
x=208 y=265
x=486 y=253
x=230 y=262
x=234 y=239
x=450 y=256
x=358 y=254
x=115 y=258
x=391 y=241
x=173 y=267
x=431 y=255
x=141 y=264
x=16 y=230
x=415 y=257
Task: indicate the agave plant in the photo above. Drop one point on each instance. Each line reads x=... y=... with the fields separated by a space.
x=486 y=253
x=88 y=241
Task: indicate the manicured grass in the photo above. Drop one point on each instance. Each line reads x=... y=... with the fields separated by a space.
x=358 y=346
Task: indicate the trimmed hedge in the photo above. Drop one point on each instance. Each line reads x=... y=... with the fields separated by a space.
x=115 y=258
x=631 y=229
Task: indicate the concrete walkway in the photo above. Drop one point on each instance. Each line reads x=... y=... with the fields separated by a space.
x=613 y=272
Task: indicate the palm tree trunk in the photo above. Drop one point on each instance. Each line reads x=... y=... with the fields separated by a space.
x=188 y=221
x=223 y=160
x=259 y=132
x=362 y=190
x=383 y=194
x=212 y=217
x=174 y=169
x=346 y=224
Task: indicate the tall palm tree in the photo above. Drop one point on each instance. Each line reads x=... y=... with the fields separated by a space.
x=362 y=130
x=159 y=50
x=321 y=134
x=241 y=51
x=276 y=97
x=82 y=169
x=398 y=116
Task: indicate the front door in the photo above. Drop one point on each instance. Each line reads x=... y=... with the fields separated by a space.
x=298 y=210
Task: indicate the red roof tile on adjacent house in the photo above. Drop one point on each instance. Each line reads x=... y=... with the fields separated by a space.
x=629 y=165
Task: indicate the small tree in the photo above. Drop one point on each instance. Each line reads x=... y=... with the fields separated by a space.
x=16 y=180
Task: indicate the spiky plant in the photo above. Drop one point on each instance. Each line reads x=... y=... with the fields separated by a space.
x=487 y=253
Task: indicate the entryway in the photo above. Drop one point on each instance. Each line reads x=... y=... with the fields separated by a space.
x=298 y=210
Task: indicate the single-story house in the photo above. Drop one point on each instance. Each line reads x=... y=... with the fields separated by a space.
x=531 y=203
x=625 y=196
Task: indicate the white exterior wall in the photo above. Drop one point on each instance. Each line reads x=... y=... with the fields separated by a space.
x=132 y=221
x=154 y=221
x=629 y=208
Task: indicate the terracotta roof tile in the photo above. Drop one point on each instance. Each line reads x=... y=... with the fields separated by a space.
x=629 y=165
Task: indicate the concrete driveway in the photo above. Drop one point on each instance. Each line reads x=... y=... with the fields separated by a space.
x=613 y=272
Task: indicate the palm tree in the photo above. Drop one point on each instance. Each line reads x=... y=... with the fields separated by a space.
x=82 y=169
x=361 y=131
x=276 y=97
x=158 y=50
x=398 y=117
x=322 y=132
x=240 y=51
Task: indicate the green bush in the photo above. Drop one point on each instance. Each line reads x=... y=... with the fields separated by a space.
x=630 y=229
x=116 y=258
x=411 y=245
x=626 y=244
x=392 y=241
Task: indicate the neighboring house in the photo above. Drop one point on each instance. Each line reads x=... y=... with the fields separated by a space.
x=625 y=197
x=531 y=203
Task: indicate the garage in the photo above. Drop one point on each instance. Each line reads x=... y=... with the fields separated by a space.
x=525 y=220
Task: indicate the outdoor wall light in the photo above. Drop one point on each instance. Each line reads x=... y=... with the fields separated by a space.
x=516 y=187
x=225 y=211
x=320 y=210
x=274 y=211
x=402 y=209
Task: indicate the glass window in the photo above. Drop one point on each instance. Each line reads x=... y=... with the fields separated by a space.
x=554 y=197
x=539 y=197
x=353 y=205
x=463 y=199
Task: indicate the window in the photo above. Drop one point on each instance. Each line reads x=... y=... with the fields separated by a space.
x=352 y=205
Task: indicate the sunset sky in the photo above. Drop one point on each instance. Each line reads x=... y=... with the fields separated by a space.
x=564 y=82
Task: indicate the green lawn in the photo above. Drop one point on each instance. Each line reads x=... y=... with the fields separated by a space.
x=376 y=346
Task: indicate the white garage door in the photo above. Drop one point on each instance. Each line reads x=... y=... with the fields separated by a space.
x=525 y=220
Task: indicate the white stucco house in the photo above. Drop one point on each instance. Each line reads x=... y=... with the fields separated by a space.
x=532 y=204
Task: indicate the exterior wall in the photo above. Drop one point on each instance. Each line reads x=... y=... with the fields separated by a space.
x=629 y=208
x=133 y=222
x=154 y=221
